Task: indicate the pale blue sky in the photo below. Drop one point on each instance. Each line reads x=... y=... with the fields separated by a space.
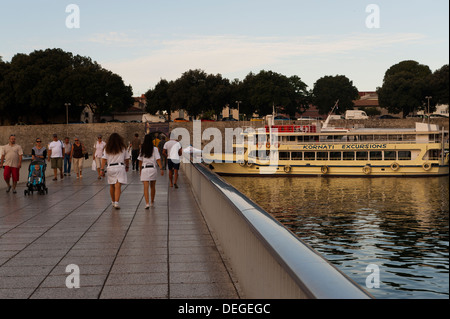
x=144 y=41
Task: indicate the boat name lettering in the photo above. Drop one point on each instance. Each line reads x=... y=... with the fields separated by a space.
x=344 y=147
x=318 y=147
x=363 y=146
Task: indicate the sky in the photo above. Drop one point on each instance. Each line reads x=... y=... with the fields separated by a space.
x=146 y=41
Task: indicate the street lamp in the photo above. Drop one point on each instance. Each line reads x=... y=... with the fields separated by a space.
x=428 y=98
x=67 y=112
x=238 y=103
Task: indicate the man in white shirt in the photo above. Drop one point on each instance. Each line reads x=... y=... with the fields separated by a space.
x=98 y=154
x=55 y=155
x=172 y=150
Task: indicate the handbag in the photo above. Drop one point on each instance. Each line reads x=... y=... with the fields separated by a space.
x=86 y=155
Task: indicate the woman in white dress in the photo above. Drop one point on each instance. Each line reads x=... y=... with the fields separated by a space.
x=148 y=159
x=117 y=158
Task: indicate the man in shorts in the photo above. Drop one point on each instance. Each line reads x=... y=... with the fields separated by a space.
x=99 y=146
x=56 y=156
x=12 y=155
x=172 y=150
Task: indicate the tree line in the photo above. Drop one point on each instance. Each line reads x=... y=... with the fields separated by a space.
x=405 y=88
x=36 y=88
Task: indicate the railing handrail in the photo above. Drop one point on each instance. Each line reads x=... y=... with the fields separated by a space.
x=323 y=280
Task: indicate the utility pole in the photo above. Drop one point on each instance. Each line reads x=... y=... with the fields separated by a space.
x=428 y=98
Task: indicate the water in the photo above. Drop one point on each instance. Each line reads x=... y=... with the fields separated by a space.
x=399 y=224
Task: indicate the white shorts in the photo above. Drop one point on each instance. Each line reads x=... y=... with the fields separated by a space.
x=117 y=174
x=149 y=174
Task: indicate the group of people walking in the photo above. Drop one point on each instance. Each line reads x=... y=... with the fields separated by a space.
x=112 y=160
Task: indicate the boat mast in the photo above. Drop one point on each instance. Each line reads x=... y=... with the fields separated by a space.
x=325 y=125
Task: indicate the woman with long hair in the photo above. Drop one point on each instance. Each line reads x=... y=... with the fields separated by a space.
x=148 y=159
x=118 y=161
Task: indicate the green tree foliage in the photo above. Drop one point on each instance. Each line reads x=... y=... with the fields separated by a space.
x=39 y=85
x=195 y=91
x=158 y=98
x=267 y=89
x=328 y=89
x=405 y=86
x=440 y=85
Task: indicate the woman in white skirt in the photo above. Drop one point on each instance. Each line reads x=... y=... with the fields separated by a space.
x=148 y=159
x=117 y=158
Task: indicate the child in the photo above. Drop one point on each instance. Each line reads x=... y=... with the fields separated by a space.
x=36 y=175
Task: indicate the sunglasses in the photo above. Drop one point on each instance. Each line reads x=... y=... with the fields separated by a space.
x=38 y=141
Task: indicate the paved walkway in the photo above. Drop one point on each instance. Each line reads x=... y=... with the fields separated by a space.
x=166 y=252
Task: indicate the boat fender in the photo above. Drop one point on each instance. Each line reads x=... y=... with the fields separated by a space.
x=287 y=169
x=426 y=166
x=395 y=166
x=367 y=169
x=324 y=169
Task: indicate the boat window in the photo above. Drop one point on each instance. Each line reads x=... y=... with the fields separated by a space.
x=335 y=156
x=376 y=155
x=433 y=155
x=390 y=155
x=310 y=156
x=404 y=155
x=380 y=138
x=292 y=138
x=322 y=156
x=349 y=156
x=284 y=156
x=296 y=156
x=362 y=156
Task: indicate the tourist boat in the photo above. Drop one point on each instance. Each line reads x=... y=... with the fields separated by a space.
x=315 y=149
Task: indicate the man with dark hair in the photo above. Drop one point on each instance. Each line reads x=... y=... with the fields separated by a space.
x=135 y=148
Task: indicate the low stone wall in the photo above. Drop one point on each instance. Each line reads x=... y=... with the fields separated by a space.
x=87 y=133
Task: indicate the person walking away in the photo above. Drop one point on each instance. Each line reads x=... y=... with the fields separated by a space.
x=39 y=152
x=172 y=150
x=67 y=156
x=118 y=160
x=135 y=147
x=99 y=146
x=78 y=151
x=55 y=156
x=148 y=159
x=11 y=161
x=160 y=149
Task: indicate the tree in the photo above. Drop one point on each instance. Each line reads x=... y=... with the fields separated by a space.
x=218 y=93
x=39 y=85
x=328 y=89
x=190 y=92
x=158 y=98
x=267 y=89
x=405 y=86
x=440 y=85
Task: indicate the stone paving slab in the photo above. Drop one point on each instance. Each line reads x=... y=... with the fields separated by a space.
x=166 y=252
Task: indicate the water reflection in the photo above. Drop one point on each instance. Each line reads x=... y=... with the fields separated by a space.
x=399 y=224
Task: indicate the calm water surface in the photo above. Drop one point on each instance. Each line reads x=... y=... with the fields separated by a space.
x=399 y=224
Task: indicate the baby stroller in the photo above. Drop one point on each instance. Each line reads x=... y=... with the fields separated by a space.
x=36 y=178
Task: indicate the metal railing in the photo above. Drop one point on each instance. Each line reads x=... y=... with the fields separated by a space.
x=267 y=259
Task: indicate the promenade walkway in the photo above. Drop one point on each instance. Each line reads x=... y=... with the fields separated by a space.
x=166 y=252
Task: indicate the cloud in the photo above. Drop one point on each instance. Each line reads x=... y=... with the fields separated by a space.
x=112 y=39
x=224 y=54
